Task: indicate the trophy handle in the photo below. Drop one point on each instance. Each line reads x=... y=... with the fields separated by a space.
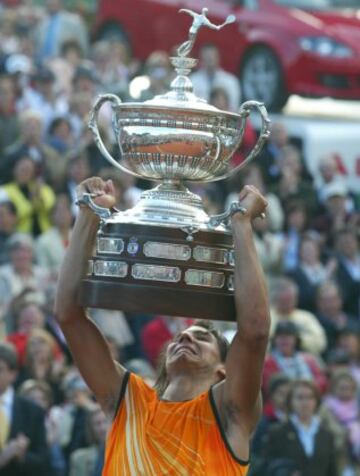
x=93 y=125
x=224 y=218
x=263 y=136
x=102 y=212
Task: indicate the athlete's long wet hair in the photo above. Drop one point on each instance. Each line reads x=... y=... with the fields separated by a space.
x=162 y=380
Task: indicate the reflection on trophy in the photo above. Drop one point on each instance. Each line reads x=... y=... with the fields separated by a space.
x=167 y=255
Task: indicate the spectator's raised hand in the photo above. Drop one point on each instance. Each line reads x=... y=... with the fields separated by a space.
x=22 y=444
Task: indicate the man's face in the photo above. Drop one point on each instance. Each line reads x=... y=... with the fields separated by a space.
x=21 y=257
x=84 y=84
x=329 y=301
x=39 y=347
x=62 y=217
x=25 y=171
x=297 y=219
x=328 y=169
x=7 y=94
x=195 y=347
x=336 y=205
x=7 y=219
x=210 y=59
x=309 y=252
x=350 y=343
x=286 y=301
x=279 y=134
x=30 y=317
x=347 y=245
x=53 y=6
x=100 y=425
x=345 y=389
x=79 y=170
x=7 y=376
x=32 y=130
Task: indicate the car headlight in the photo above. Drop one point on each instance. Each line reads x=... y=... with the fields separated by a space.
x=324 y=46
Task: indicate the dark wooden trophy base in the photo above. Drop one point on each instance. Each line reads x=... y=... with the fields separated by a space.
x=130 y=293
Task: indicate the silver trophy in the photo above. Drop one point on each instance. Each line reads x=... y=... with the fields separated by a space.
x=166 y=254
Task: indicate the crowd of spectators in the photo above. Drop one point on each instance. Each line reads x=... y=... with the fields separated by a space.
x=50 y=75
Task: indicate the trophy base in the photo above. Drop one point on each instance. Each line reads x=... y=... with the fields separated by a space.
x=154 y=299
x=162 y=270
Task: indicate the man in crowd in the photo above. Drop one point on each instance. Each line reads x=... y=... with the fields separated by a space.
x=285 y=295
x=23 y=449
x=207 y=402
x=210 y=75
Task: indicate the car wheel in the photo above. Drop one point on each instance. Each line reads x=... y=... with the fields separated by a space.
x=261 y=78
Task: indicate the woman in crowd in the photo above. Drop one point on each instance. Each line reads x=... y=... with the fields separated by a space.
x=294 y=226
x=89 y=460
x=310 y=272
x=51 y=245
x=19 y=274
x=286 y=357
x=349 y=341
x=43 y=361
x=295 y=182
x=343 y=403
x=284 y=308
x=275 y=409
x=40 y=392
x=303 y=439
x=331 y=315
x=59 y=135
x=26 y=314
x=33 y=199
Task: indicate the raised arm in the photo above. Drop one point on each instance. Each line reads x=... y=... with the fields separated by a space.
x=87 y=345
x=190 y=12
x=240 y=402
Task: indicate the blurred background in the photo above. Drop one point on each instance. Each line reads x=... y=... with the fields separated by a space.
x=302 y=59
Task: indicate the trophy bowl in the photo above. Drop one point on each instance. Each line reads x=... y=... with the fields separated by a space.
x=166 y=254
x=162 y=143
x=162 y=139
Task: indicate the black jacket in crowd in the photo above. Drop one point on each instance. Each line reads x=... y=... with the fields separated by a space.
x=28 y=418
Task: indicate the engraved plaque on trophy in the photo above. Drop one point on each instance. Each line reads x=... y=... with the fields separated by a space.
x=166 y=254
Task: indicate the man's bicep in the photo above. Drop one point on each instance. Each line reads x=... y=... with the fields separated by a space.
x=93 y=358
x=244 y=365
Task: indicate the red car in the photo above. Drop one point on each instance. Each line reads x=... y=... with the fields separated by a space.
x=276 y=47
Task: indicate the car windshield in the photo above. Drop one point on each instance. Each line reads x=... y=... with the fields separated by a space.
x=319 y=4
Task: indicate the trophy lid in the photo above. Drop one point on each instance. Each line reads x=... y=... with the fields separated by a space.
x=181 y=92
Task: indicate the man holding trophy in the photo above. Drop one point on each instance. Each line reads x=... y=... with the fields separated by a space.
x=201 y=422
x=167 y=255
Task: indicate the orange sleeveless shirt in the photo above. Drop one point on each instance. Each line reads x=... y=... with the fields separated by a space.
x=152 y=437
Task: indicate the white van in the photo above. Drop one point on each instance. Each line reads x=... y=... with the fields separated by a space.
x=325 y=126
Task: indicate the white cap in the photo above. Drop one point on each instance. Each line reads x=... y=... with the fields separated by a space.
x=18 y=240
x=334 y=189
x=4 y=197
x=18 y=64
